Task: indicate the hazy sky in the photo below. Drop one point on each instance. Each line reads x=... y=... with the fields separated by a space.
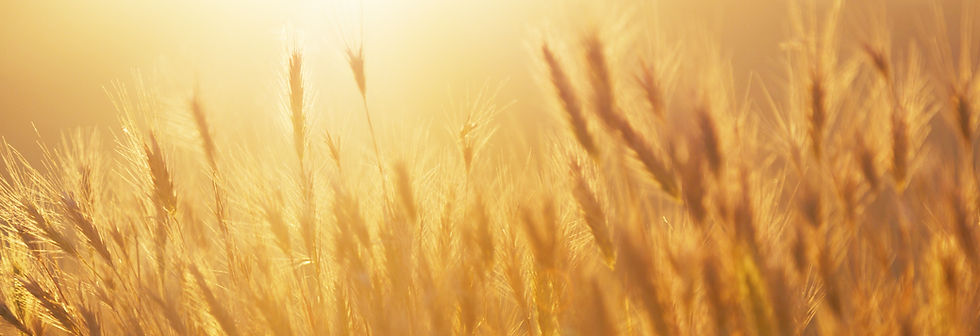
x=56 y=56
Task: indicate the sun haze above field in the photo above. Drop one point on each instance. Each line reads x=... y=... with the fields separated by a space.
x=420 y=51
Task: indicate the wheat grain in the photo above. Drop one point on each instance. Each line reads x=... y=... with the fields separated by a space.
x=569 y=101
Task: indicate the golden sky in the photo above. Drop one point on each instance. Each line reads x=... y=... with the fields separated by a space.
x=57 y=56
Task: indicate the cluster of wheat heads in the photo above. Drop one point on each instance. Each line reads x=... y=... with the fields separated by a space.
x=661 y=205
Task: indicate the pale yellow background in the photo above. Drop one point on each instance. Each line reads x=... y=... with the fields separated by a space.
x=56 y=56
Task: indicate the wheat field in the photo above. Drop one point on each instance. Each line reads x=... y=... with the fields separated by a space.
x=656 y=198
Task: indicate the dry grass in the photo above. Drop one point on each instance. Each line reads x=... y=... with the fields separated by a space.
x=846 y=202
